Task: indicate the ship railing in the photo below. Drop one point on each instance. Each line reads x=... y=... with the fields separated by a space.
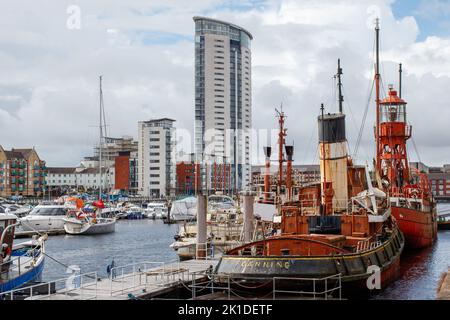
x=366 y=244
x=323 y=288
x=15 y=263
x=75 y=287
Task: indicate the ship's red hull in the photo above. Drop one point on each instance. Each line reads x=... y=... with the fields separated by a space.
x=418 y=227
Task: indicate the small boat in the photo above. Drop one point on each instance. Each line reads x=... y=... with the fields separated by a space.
x=89 y=225
x=134 y=213
x=156 y=210
x=24 y=262
x=45 y=217
x=443 y=221
x=79 y=222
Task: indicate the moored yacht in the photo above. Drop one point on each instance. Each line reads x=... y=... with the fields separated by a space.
x=45 y=217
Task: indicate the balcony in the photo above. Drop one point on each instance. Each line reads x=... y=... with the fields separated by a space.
x=14 y=173
x=21 y=180
x=14 y=165
x=23 y=166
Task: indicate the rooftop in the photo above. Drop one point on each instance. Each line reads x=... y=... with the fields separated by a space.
x=224 y=22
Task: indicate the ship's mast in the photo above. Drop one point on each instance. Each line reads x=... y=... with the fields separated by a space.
x=377 y=88
x=281 y=135
x=341 y=97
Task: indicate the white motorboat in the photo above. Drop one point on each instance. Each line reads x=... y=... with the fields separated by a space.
x=19 y=210
x=156 y=210
x=45 y=218
x=89 y=225
x=134 y=212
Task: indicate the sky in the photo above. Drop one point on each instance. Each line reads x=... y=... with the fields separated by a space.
x=52 y=52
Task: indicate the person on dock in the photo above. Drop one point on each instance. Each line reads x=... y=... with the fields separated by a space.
x=110 y=270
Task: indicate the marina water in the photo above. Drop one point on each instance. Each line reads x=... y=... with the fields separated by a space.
x=133 y=241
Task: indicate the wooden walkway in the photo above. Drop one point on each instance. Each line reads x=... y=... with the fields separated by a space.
x=142 y=282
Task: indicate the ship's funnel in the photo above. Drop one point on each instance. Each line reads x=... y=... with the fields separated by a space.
x=333 y=160
x=267 y=151
x=332 y=128
x=289 y=152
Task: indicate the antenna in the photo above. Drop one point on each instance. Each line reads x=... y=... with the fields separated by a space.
x=400 y=80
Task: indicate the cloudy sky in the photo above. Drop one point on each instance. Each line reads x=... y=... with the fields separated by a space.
x=50 y=63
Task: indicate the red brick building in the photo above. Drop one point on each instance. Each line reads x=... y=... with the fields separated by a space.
x=187 y=178
x=122 y=171
x=191 y=177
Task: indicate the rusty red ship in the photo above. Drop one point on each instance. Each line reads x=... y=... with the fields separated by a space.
x=409 y=191
x=341 y=225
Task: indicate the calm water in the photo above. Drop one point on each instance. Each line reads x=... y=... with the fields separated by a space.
x=421 y=270
x=133 y=241
x=149 y=240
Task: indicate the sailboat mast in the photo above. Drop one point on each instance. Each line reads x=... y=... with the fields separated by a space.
x=101 y=141
x=377 y=87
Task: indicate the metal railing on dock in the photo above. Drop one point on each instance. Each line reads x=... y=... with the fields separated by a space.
x=75 y=287
x=320 y=288
x=139 y=274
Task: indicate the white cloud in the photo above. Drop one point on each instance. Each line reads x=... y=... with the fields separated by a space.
x=49 y=79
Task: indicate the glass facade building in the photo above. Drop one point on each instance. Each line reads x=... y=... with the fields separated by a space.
x=223 y=97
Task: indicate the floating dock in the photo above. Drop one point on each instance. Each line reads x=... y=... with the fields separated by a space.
x=138 y=281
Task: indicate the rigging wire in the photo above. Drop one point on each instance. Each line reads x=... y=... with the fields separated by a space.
x=363 y=121
x=415 y=148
